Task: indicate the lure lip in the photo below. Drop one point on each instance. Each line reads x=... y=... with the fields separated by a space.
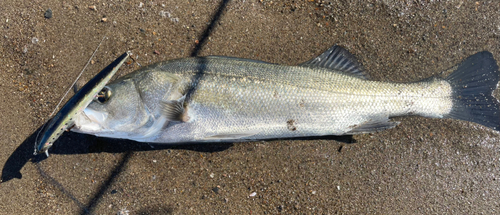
x=64 y=119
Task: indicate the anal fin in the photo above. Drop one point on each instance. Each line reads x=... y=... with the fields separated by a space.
x=373 y=125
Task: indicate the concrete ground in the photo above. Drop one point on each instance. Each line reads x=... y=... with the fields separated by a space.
x=423 y=166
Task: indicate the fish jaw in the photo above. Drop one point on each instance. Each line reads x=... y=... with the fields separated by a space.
x=94 y=123
x=90 y=121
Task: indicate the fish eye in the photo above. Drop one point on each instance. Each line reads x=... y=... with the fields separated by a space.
x=104 y=95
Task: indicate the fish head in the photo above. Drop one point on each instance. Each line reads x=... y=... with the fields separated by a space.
x=116 y=111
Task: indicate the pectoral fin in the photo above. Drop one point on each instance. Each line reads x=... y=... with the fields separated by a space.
x=373 y=125
x=175 y=110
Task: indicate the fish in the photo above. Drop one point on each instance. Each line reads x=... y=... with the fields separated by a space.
x=227 y=99
x=65 y=118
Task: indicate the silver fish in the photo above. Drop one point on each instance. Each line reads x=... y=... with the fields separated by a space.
x=208 y=99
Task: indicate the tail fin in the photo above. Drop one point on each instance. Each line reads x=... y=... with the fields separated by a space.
x=473 y=83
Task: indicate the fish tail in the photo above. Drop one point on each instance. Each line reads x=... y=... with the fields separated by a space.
x=473 y=83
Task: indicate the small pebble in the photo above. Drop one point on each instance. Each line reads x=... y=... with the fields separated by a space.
x=114 y=191
x=93 y=7
x=48 y=13
x=104 y=19
x=252 y=194
x=280 y=208
x=34 y=40
x=165 y=14
x=215 y=189
x=123 y=211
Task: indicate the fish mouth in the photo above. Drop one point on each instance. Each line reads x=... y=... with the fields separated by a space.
x=90 y=121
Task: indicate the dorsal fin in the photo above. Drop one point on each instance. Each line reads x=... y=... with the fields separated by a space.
x=339 y=59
